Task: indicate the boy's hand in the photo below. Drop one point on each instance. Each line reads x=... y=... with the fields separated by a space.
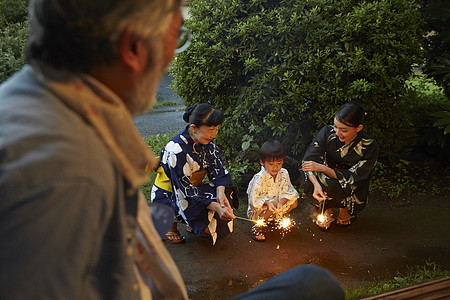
x=272 y=205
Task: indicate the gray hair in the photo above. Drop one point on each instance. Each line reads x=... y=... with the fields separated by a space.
x=77 y=35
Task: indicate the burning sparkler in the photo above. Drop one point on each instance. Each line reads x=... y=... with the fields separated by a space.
x=323 y=220
x=283 y=224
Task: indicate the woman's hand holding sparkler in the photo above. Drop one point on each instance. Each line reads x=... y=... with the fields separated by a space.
x=225 y=213
x=319 y=194
x=222 y=207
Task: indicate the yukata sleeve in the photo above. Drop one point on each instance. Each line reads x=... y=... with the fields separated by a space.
x=216 y=170
x=316 y=150
x=287 y=190
x=175 y=164
x=256 y=197
x=368 y=150
x=254 y=191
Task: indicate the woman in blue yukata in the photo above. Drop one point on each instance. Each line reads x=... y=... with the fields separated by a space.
x=204 y=206
x=339 y=164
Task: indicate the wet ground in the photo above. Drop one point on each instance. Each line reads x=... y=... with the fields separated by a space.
x=382 y=242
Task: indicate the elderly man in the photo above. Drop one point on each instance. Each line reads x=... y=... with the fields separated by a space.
x=71 y=160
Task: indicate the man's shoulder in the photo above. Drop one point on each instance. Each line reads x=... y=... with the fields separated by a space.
x=42 y=139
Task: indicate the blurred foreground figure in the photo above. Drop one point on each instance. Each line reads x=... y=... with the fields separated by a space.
x=73 y=224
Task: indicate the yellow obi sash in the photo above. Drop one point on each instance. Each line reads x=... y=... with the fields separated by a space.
x=163 y=182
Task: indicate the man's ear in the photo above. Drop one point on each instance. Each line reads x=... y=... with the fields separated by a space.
x=132 y=51
x=359 y=127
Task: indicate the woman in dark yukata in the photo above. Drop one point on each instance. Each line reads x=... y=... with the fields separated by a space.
x=338 y=165
x=205 y=206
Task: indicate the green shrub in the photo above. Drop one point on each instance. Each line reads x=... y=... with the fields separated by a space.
x=429 y=117
x=437 y=42
x=280 y=69
x=13 y=36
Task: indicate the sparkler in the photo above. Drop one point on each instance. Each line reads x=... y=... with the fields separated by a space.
x=322 y=219
x=283 y=224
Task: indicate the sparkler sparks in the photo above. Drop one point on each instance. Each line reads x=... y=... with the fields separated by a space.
x=323 y=220
x=261 y=223
x=283 y=224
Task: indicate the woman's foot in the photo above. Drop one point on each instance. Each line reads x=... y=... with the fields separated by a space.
x=344 y=218
x=257 y=233
x=174 y=236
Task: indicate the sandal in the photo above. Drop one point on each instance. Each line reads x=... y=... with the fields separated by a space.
x=344 y=222
x=174 y=237
x=257 y=234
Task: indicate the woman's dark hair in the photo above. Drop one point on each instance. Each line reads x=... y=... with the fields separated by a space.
x=351 y=114
x=271 y=149
x=203 y=114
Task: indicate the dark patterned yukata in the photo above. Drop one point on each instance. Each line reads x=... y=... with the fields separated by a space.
x=179 y=184
x=353 y=164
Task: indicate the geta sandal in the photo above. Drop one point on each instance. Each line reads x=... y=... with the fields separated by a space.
x=174 y=237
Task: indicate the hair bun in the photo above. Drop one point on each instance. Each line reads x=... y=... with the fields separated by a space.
x=188 y=113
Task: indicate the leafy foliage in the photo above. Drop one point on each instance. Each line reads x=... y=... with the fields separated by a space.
x=13 y=36
x=437 y=17
x=429 y=116
x=280 y=69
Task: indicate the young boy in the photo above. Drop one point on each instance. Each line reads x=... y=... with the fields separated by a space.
x=270 y=192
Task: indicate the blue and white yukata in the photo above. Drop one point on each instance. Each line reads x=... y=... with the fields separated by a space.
x=179 y=184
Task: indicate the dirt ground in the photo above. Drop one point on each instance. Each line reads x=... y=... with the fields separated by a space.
x=383 y=241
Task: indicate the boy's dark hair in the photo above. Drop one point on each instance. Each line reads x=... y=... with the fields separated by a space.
x=271 y=149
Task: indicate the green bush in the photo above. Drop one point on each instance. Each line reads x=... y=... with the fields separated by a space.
x=437 y=42
x=13 y=36
x=429 y=117
x=280 y=69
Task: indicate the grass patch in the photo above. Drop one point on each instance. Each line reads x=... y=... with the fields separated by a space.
x=413 y=275
x=162 y=103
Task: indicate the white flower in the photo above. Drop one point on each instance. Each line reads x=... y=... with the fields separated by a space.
x=183 y=203
x=191 y=166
